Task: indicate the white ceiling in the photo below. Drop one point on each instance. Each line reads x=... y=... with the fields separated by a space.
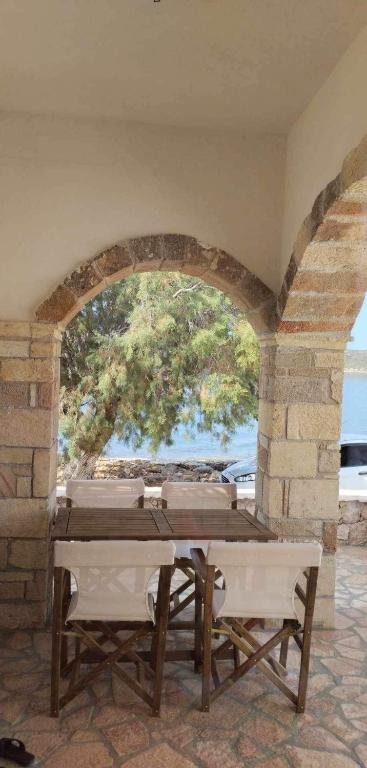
x=249 y=65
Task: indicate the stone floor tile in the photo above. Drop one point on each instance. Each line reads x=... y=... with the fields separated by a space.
x=307 y=758
x=162 y=756
x=81 y=756
x=128 y=737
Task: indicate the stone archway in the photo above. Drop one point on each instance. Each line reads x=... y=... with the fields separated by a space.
x=168 y=252
x=302 y=369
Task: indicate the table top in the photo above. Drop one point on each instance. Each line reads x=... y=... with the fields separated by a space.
x=82 y=523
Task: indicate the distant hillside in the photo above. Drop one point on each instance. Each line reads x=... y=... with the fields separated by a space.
x=355 y=361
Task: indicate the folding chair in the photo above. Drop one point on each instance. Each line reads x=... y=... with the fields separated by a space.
x=113 y=587
x=187 y=495
x=105 y=493
x=261 y=582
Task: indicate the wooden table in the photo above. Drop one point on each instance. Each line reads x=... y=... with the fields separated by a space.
x=82 y=523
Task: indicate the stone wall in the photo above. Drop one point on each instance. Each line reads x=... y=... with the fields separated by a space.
x=297 y=485
x=153 y=472
x=352 y=528
x=29 y=375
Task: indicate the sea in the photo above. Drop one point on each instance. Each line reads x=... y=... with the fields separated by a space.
x=203 y=446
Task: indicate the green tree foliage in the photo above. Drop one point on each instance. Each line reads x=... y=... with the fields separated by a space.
x=152 y=352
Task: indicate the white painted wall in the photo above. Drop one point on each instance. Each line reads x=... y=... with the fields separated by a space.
x=332 y=125
x=70 y=188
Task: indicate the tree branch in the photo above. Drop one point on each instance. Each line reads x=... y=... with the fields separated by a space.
x=185 y=290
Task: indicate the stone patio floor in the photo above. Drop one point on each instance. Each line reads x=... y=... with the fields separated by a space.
x=252 y=725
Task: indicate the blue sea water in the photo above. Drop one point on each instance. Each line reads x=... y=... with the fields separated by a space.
x=243 y=442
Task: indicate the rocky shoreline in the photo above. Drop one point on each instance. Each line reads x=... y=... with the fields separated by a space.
x=155 y=472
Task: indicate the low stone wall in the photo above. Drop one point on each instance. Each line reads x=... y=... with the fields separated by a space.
x=352 y=528
x=155 y=472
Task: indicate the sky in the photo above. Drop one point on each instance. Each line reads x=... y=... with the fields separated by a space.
x=359 y=332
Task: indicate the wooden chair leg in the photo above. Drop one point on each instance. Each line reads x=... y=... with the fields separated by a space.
x=306 y=645
x=283 y=655
x=57 y=627
x=207 y=637
x=161 y=635
x=198 y=623
x=65 y=606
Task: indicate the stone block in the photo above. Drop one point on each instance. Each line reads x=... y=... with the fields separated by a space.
x=16 y=455
x=37 y=589
x=272 y=500
x=351 y=512
x=46 y=395
x=13 y=348
x=23 y=518
x=63 y=303
x=46 y=331
x=16 y=576
x=316 y=498
x=12 y=590
x=8 y=481
x=327 y=359
x=114 y=261
x=22 y=615
x=26 y=427
x=24 y=487
x=3 y=554
x=337 y=378
x=13 y=394
x=262 y=457
x=28 y=553
x=27 y=370
x=324 y=615
x=309 y=307
x=329 y=536
x=293 y=358
x=44 y=471
x=272 y=419
x=326 y=580
x=327 y=258
x=343 y=532
x=292 y=389
x=45 y=349
x=288 y=459
x=313 y=421
x=14 y=328
x=358 y=533
x=329 y=461
x=296 y=529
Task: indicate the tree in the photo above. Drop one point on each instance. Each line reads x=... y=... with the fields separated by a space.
x=149 y=353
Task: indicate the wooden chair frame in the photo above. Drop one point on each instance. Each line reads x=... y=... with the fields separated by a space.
x=238 y=636
x=96 y=653
x=186 y=566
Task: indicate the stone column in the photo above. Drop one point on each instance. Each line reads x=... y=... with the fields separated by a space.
x=29 y=380
x=298 y=450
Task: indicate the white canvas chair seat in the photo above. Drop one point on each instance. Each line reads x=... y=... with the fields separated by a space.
x=260 y=582
x=186 y=495
x=260 y=579
x=112 y=592
x=105 y=493
x=113 y=577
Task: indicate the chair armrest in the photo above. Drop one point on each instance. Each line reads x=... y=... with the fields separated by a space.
x=199 y=562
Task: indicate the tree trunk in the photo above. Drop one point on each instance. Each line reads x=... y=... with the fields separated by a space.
x=82 y=468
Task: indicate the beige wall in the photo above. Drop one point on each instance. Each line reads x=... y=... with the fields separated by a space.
x=334 y=122
x=70 y=188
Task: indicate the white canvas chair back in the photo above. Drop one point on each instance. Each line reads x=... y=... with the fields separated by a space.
x=260 y=578
x=105 y=493
x=112 y=577
x=199 y=495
